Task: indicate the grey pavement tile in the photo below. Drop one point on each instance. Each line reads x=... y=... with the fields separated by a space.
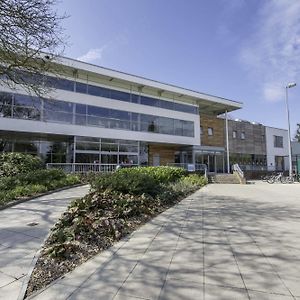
x=17 y=268
x=141 y=288
x=181 y=290
x=148 y=272
x=264 y=282
x=293 y=285
x=224 y=293
x=228 y=278
x=254 y=295
x=83 y=294
x=56 y=291
x=127 y=297
x=5 y=279
x=11 y=291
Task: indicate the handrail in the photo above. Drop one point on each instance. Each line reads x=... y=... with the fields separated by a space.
x=236 y=168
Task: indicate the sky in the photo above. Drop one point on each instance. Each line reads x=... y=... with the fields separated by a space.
x=243 y=50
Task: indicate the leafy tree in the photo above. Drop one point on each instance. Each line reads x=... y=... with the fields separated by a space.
x=297 y=136
x=31 y=39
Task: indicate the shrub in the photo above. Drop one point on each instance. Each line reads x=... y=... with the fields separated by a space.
x=33 y=183
x=195 y=179
x=160 y=174
x=133 y=183
x=16 y=163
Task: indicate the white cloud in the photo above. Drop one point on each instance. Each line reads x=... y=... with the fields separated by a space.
x=272 y=52
x=92 y=55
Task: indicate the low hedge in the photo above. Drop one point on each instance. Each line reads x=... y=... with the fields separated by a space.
x=138 y=180
x=161 y=174
x=32 y=183
x=12 y=164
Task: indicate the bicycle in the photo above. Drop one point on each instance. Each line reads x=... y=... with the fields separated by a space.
x=276 y=178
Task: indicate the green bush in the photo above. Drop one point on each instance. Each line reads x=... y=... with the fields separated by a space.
x=160 y=174
x=32 y=183
x=133 y=183
x=195 y=179
x=15 y=163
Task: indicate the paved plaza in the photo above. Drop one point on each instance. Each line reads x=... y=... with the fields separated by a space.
x=23 y=229
x=223 y=242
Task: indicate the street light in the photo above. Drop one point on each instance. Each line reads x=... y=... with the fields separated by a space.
x=289 y=85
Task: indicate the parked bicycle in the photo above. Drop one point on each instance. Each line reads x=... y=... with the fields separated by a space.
x=276 y=178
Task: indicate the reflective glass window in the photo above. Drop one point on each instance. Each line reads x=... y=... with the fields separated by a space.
x=119 y=114
x=60 y=83
x=55 y=105
x=118 y=95
x=149 y=101
x=5 y=105
x=167 y=104
x=135 y=98
x=98 y=91
x=80 y=87
x=166 y=125
x=80 y=109
x=98 y=111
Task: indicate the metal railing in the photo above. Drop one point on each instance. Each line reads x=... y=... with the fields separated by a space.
x=236 y=168
x=85 y=168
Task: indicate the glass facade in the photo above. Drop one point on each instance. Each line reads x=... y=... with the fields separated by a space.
x=48 y=110
x=85 y=88
x=109 y=151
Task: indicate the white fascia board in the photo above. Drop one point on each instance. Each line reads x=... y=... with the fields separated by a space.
x=19 y=125
x=145 y=82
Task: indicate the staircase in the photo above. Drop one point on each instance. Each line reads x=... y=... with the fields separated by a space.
x=224 y=178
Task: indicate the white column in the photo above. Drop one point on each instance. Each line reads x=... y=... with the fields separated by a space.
x=227 y=142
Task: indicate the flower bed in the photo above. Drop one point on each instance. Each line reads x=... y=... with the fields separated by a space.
x=116 y=206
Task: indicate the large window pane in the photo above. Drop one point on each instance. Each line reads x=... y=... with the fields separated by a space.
x=119 y=114
x=81 y=87
x=149 y=101
x=118 y=95
x=59 y=117
x=98 y=91
x=135 y=98
x=166 y=125
x=80 y=109
x=59 y=106
x=167 y=104
x=5 y=105
x=98 y=111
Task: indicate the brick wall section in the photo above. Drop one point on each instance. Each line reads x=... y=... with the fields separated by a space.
x=166 y=153
x=254 y=142
x=218 y=125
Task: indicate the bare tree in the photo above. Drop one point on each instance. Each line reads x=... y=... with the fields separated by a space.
x=31 y=38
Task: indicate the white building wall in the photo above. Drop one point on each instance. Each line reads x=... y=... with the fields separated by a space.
x=274 y=151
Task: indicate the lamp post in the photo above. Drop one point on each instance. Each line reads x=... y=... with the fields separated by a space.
x=289 y=85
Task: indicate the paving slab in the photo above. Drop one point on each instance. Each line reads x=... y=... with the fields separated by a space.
x=222 y=242
x=23 y=228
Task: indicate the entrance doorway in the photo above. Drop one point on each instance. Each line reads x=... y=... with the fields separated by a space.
x=213 y=161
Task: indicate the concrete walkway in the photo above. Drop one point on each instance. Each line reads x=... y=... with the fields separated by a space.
x=23 y=229
x=223 y=242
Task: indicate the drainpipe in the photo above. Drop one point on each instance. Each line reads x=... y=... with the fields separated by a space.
x=227 y=142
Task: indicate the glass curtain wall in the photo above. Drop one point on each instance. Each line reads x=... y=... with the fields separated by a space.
x=110 y=151
x=50 y=110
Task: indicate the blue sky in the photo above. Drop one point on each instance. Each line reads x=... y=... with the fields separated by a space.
x=244 y=50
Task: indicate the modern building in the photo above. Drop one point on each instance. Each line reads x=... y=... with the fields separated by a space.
x=296 y=156
x=277 y=149
x=98 y=115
